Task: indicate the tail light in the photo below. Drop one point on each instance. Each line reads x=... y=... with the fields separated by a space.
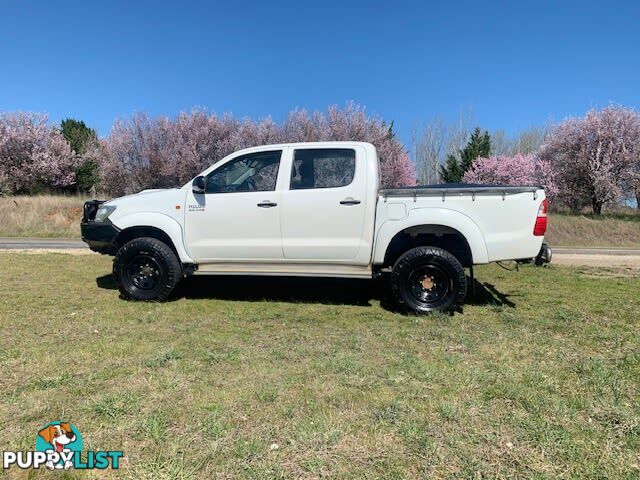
x=541 y=220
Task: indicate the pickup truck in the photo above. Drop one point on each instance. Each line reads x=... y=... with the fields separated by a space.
x=315 y=210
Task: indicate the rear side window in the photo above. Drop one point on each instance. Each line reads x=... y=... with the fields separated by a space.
x=322 y=168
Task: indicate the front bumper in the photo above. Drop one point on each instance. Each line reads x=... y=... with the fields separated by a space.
x=100 y=236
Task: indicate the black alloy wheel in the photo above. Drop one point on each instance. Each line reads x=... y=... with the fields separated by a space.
x=146 y=269
x=429 y=284
x=428 y=279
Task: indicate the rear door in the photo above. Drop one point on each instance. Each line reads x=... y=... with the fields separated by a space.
x=323 y=210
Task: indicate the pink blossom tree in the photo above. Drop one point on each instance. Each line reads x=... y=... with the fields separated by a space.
x=517 y=170
x=145 y=152
x=593 y=157
x=352 y=123
x=136 y=154
x=303 y=127
x=34 y=156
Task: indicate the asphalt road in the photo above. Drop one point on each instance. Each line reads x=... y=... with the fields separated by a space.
x=65 y=244
x=593 y=251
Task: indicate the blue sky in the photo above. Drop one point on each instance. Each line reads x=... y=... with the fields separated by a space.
x=514 y=64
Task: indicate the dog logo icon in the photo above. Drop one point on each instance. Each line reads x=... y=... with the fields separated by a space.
x=64 y=439
x=59 y=446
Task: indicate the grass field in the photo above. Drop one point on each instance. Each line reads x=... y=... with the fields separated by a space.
x=275 y=378
x=41 y=216
x=56 y=216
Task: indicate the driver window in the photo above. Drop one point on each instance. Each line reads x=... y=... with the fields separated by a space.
x=253 y=172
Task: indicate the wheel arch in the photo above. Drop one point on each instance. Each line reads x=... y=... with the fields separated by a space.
x=158 y=226
x=442 y=228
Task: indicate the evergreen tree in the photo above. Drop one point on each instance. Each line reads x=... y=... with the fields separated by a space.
x=479 y=146
x=81 y=138
x=87 y=175
x=451 y=171
x=78 y=135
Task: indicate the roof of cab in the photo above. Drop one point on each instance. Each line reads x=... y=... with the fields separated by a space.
x=327 y=144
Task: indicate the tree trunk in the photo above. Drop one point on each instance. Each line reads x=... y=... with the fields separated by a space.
x=597 y=206
x=574 y=207
x=638 y=199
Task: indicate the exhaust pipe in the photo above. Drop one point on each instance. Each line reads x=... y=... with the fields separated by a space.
x=544 y=256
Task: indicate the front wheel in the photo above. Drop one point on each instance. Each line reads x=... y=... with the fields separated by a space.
x=428 y=279
x=146 y=269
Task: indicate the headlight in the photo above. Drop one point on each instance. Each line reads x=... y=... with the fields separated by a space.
x=103 y=213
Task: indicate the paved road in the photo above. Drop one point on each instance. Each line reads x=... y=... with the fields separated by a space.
x=594 y=251
x=65 y=244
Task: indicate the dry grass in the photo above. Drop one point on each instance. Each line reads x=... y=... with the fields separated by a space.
x=539 y=378
x=41 y=216
x=608 y=230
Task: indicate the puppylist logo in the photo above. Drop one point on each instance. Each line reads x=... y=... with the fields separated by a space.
x=59 y=446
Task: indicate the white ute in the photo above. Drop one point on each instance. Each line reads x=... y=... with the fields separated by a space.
x=315 y=209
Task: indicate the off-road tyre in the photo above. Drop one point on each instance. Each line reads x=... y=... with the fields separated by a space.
x=428 y=279
x=146 y=269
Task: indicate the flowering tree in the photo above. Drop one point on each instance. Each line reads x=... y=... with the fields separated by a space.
x=145 y=152
x=517 y=170
x=34 y=156
x=303 y=127
x=352 y=123
x=633 y=185
x=593 y=157
x=136 y=154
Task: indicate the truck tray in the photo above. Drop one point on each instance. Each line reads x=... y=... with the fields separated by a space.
x=449 y=189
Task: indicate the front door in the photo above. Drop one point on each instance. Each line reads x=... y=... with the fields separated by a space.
x=238 y=216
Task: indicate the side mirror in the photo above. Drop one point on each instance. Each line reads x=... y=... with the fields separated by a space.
x=199 y=184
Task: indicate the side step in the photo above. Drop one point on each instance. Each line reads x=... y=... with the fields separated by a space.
x=286 y=269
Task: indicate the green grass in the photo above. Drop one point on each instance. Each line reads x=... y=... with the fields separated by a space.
x=268 y=378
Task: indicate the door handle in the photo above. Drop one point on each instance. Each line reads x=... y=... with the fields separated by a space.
x=349 y=201
x=267 y=204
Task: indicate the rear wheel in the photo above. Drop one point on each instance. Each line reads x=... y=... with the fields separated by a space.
x=146 y=269
x=428 y=279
